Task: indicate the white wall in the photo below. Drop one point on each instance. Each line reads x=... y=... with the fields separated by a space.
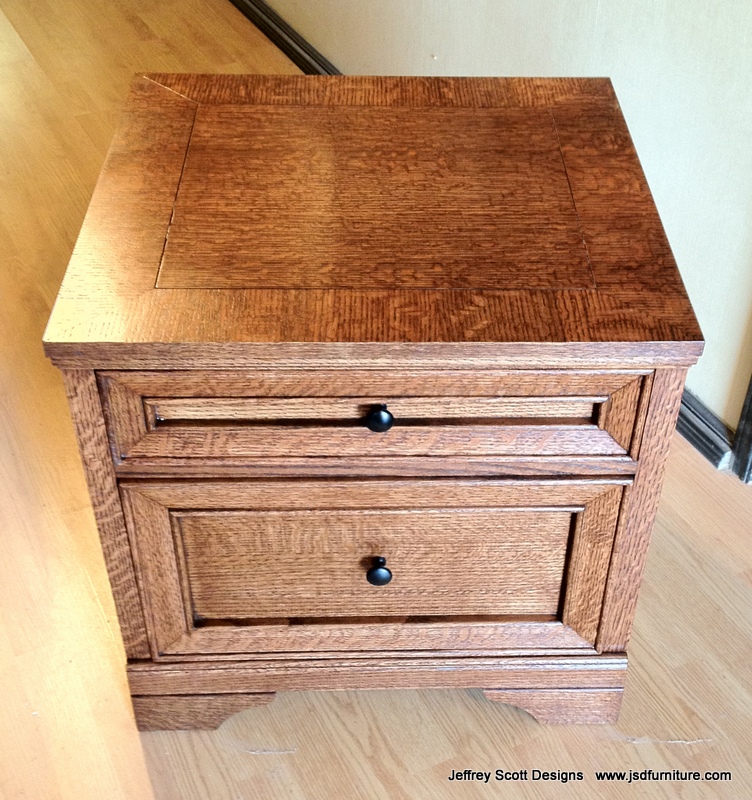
x=682 y=70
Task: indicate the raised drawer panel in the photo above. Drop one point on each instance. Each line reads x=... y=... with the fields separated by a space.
x=156 y=419
x=313 y=563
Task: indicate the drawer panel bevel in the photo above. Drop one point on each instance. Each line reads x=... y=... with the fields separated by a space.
x=378 y=467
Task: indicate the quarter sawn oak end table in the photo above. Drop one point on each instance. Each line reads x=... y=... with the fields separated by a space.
x=374 y=381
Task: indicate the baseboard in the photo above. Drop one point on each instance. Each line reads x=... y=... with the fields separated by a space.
x=705 y=431
x=743 y=441
x=288 y=40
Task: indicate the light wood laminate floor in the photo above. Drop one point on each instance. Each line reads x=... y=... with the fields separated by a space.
x=65 y=724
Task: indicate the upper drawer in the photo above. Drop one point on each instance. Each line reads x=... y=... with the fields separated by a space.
x=158 y=418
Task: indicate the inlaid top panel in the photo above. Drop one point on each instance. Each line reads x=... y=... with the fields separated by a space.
x=372 y=197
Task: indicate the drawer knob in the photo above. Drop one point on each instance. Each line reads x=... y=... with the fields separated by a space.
x=379 y=575
x=379 y=420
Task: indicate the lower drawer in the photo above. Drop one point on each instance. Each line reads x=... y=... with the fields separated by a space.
x=275 y=566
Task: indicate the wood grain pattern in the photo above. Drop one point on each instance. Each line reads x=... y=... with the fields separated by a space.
x=109 y=311
x=373 y=198
x=431 y=313
x=315 y=639
x=563 y=706
x=190 y=712
x=370 y=381
x=385 y=90
x=641 y=416
x=641 y=503
x=355 y=408
x=557 y=672
x=124 y=415
x=135 y=401
x=157 y=570
x=86 y=411
x=618 y=413
x=375 y=466
x=619 y=219
x=589 y=559
x=362 y=493
x=313 y=563
x=223 y=441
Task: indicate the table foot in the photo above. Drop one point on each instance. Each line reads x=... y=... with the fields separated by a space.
x=563 y=706
x=192 y=711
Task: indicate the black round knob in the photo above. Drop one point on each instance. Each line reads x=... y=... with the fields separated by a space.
x=378 y=419
x=379 y=575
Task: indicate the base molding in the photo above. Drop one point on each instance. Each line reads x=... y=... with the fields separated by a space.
x=553 y=689
x=563 y=706
x=606 y=671
x=192 y=711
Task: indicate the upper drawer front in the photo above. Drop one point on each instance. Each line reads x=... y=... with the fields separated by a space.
x=156 y=417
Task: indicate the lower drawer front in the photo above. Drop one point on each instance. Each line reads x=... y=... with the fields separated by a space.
x=281 y=566
x=314 y=563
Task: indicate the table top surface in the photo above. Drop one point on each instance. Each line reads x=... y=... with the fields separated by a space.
x=247 y=211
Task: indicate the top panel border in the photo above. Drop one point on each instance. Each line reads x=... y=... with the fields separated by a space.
x=337 y=90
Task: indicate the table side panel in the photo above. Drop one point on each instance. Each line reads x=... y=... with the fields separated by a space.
x=640 y=507
x=86 y=412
